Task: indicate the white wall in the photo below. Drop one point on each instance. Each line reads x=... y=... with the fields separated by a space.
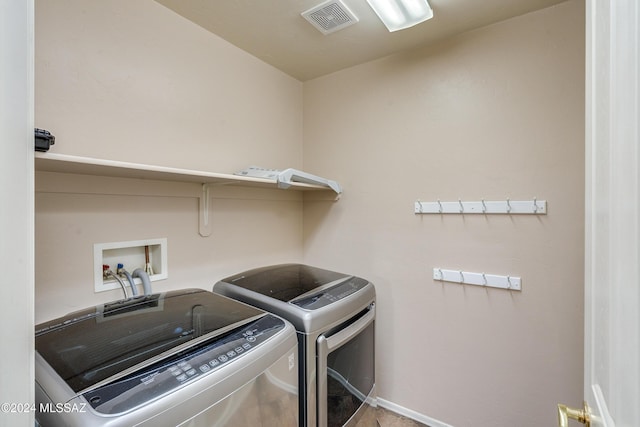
x=493 y=113
x=134 y=81
x=16 y=211
x=612 y=232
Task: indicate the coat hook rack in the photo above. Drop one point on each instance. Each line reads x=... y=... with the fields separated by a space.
x=479 y=279
x=484 y=207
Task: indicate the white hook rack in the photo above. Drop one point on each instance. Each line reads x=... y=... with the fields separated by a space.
x=510 y=207
x=478 y=279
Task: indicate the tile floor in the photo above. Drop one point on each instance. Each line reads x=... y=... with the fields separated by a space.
x=387 y=418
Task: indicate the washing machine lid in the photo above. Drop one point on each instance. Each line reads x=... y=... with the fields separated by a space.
x=286 y=282
x=93 y=345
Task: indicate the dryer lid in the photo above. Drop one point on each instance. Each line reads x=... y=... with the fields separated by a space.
x=285 y=282
x=90 y=346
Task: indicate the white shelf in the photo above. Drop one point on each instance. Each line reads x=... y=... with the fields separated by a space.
x=63 y=163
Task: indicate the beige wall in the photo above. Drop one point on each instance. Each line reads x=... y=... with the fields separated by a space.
x=133 y=81
x=490 y=114
x=493 y=113
x=250 y=228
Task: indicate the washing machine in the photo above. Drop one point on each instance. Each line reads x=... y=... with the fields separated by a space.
x=179 y=358
x=334 y=316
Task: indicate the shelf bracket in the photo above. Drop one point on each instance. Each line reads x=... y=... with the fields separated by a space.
x=204 y=221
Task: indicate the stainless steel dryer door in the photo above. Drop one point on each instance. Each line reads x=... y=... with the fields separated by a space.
x=346 y=372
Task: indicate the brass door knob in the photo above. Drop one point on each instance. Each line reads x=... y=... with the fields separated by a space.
x=581 y=415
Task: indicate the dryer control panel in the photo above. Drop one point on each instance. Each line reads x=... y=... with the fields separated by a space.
x=327 y=296
x=182 y=368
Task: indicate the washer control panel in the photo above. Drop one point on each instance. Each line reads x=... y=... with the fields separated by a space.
x=332 y=294
x=180 y=369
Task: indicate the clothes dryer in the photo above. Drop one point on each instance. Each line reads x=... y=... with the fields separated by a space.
x=334 y=315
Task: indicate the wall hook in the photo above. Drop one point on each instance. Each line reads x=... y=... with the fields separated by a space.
x=483 y=207
x=478 y=279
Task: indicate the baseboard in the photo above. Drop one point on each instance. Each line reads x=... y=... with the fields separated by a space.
x=401 y=410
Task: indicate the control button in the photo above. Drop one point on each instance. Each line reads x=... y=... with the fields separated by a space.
x=223 y=358
x=246 y=346
x=186 y=367
x=176 y=372
x=231 y=353
x=239 y=349
x=251 y=339
x=181 y=364
x=249 y=332
x=173 y=368
x=181 y=377
x=214 y=363
x=205 y=368
x=191 y=372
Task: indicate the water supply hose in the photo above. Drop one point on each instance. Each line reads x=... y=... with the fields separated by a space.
x=132 y=283
x=106 y=271
x=144 y=277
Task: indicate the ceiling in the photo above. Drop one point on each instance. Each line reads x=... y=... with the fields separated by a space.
x=275 y=32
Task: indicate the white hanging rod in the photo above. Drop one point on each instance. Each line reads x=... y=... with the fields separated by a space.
x=479 y=279
x=532 y=207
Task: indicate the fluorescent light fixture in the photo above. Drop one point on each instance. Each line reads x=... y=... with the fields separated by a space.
x=401 y=14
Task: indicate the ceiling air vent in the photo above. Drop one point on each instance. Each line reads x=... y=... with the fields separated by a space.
x=330 y=16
